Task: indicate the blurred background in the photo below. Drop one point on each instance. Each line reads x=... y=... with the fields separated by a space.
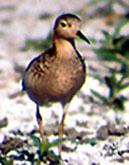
x=99 y=112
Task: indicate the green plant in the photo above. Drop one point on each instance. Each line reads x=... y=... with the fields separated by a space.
x=114 y=48
x=15 y=149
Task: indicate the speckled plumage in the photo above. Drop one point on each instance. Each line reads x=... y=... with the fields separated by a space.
x=57 y=74
x=50 y=78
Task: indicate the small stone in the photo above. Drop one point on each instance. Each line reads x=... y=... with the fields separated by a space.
x=102 y=132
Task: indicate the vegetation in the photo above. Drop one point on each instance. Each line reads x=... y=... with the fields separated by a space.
x=115 y=49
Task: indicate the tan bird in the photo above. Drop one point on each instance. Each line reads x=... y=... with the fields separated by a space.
x=57 y=74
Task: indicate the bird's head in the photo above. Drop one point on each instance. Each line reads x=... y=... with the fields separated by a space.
x=68 y=26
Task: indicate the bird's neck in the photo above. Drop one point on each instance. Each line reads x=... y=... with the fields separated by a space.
x=63 y=47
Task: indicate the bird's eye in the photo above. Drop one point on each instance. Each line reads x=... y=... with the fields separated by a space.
x=63 y=24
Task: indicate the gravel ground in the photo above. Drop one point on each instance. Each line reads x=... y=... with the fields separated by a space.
x=19 y=20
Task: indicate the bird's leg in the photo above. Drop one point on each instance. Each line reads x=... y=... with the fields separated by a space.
x=40 y=124
x=61 y=126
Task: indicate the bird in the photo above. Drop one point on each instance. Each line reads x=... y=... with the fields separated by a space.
x=57 y=74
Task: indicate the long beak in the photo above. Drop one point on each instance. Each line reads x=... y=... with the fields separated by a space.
x=81 y=35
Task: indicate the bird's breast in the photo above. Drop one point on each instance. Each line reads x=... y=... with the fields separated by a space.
x=67 y=79
x=58 y=82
